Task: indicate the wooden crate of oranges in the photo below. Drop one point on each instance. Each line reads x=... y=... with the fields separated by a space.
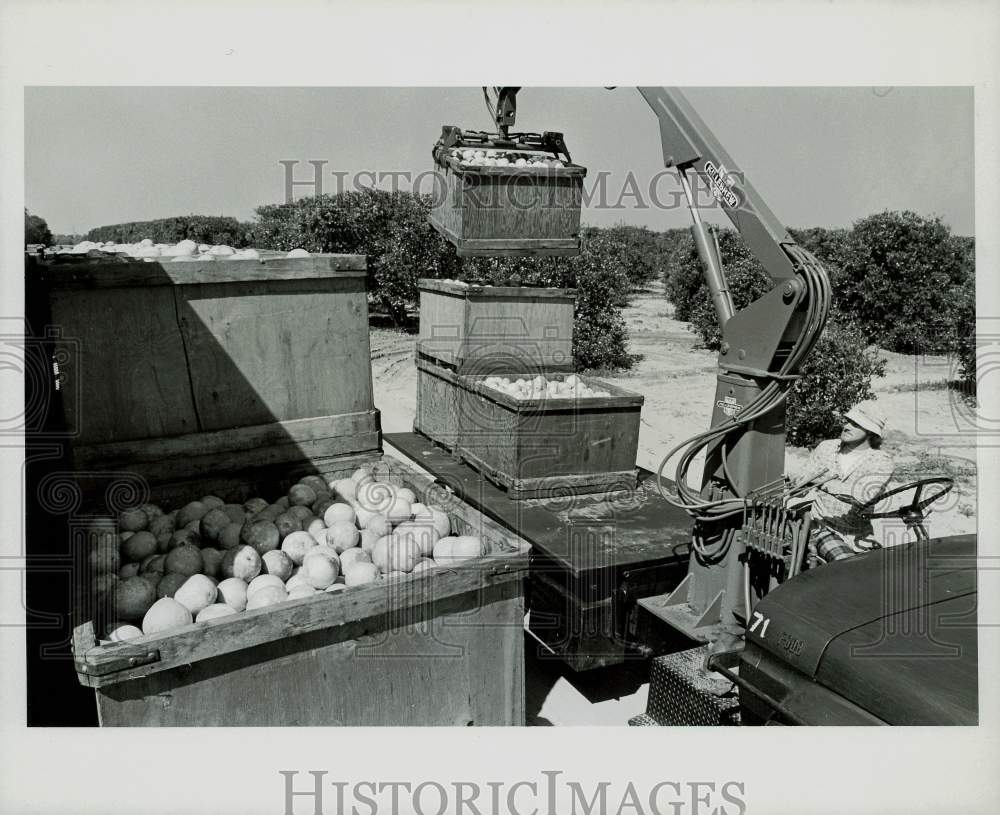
x=364 y=597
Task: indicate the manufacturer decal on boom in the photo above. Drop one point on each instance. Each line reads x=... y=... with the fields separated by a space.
x=729 y=406
x=721 y=183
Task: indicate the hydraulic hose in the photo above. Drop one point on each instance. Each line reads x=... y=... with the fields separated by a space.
x=772 y=395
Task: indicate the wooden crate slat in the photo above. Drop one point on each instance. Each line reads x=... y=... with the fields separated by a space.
x=101 y=664
x=477 y=327
x=166 y=272
x=285 y=349
x=459 y=669
x=123 y=364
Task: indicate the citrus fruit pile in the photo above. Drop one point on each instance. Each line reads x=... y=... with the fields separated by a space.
x=570 y=387
x=159 y=570
x=504 y=158
x=186 y=250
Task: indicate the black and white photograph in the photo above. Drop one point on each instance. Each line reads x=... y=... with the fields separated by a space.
x=357 y=421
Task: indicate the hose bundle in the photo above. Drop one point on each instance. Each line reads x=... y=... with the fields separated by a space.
x=772 y=395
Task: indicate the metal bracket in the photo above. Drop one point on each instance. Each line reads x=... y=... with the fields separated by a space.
x=123 y=662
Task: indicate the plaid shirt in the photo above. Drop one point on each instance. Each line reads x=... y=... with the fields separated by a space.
x=862 y=475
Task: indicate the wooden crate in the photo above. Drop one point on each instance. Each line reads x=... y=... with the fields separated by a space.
x=173 y=368
x=496 y=329
x=537 y=448
x=444 y=648
x=508 y=210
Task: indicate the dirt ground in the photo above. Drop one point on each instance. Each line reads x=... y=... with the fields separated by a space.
x=930 y=432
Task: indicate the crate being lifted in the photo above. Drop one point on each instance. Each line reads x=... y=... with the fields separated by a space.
x=514 y=196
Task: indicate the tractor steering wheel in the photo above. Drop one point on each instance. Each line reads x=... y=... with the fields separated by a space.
x=913 y=513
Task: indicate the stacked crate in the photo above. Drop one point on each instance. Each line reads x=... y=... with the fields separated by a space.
x=534 y=448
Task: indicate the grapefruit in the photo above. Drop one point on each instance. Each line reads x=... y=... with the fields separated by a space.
x=287 y=523
x=211 y=561
x=139 y=546
x=346 y=488
x=213 y=612
x=133 y=520
x=352 y=556
x=242 y=562
x=196 y=593
x=301 y=495
x=263 y=536
x=169 y=584
x=193 y=511
x=297 y=545
x=360 y=574
x=233 y=592
x=368 y=538
x=229 y=538
x=185 y=559
x=320 y=568
x=303 y=514
x=164 y=614
x=268 y=596
x=212 y=501
x=338 y=512
x=403 y=554
x=277 y=563
x=128 y=570
x=133 y=598
x=212 y=523
x=262 y=582
x=342 y=535
x=255 y=505
x=154 y=564
x=184 y=537
x=161 y=524
x=379 y=525
x=123 y=632
x=235 y=512
x=300 y=591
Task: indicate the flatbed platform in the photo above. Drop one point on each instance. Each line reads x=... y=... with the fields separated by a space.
x=593 y=557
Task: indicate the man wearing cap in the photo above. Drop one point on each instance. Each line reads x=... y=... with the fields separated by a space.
x=851 y=465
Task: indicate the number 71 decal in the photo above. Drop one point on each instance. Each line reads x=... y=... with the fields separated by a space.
x=759 y=620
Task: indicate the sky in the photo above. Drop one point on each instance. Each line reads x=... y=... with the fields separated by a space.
x=818 y=156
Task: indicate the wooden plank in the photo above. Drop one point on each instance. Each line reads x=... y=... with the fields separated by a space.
x=263 y=481
x=435 y=413
x=221 y=442
x=448 y=669
x=276 y=350
x=466 y=290
x=137 y=273
x=124 y=365
x=321 y=612
x=241 y=461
